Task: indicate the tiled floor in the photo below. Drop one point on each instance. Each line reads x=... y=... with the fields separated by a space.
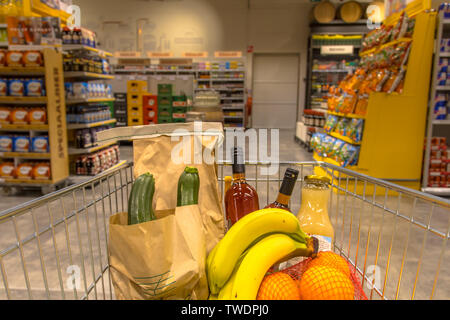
x=405 y=239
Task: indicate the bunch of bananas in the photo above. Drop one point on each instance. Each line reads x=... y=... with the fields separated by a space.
x=238 y=263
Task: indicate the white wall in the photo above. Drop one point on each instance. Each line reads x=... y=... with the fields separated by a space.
x=275 y=26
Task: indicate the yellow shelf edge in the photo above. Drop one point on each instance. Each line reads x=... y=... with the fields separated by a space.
x=73 y=126
x=346 y=139
x=92 y=100
x=76 y=151
x=388 y=44
x=25 y=155
x=9 y=99
x=80 y=74
x=24 y=181
x=23 y=127
x=22 y=70
x=346 y=115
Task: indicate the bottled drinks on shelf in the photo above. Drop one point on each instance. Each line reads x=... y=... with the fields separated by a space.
x=287 y=186
x=241 y=198
x=313 y=213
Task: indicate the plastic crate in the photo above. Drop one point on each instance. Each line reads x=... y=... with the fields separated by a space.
x=165 y=119
x=164 y=89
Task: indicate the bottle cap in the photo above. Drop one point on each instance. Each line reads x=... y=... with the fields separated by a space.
x=290 y=177
x=238 y=160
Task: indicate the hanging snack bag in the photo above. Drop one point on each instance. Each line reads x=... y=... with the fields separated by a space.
x=331 y=123
x=354 y=129
x=361 y=105
x=316 y=139
x=335 y=151
x=349 y=102
x=397 y=81
x=410 y=29
x=347 y=154
x=341 y=126
x=327 y=145
x=397 y=28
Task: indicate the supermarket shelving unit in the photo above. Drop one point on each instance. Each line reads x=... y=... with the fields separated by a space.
x=232 y=89
x=337 y=36
x=436 y=127
x=56 y=119
x=394 y=126
x=86 y=76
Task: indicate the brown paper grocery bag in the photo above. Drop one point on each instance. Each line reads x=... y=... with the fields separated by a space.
x=159 y=259
x=153 y=150
x=165 y=258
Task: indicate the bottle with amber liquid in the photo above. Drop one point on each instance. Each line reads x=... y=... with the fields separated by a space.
x=287 y=186
x=241 y=198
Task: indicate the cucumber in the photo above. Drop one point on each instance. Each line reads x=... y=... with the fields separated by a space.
x=188 y=186
x=140 y=208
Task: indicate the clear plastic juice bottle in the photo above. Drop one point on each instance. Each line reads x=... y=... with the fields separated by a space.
x=313 y=213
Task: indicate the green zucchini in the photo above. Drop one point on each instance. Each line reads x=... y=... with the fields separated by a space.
x=140 y=203
x=188 y=186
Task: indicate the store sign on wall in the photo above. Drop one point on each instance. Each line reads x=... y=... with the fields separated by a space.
x=336 y=50
x=228 y=54
x=202 y=54
x=151 y=54
x=127 y=54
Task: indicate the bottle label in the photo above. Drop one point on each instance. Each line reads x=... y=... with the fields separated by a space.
x=324 y=242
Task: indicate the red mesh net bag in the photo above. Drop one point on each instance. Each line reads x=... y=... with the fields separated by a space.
x=326 y=277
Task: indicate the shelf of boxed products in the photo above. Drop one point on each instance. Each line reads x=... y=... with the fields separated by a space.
x=22 y=71
x=81 y=75
x=73 y=151
x=77 y=179
x=23 y=127
x=73 y=126
x=22 y=100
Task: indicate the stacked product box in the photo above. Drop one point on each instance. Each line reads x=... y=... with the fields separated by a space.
x=165 y=103
x=87 y=113
x=179 y=108
x=150 y=108
x=135 y=91
x=120 y=109
x=24 y=143
x=439 y=171
x=27 y=170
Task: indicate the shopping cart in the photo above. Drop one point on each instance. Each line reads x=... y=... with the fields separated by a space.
x=55 y=247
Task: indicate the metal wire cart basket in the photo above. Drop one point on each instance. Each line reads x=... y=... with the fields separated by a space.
x=55 y=247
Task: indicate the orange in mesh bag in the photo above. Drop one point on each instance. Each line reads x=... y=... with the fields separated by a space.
x=325 y=278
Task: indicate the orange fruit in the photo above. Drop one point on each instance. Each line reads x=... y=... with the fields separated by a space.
x=330 y=259
x=278 y=286
x=325 y=283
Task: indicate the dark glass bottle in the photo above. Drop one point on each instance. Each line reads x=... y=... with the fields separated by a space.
x=287 y=186
x=241 y=198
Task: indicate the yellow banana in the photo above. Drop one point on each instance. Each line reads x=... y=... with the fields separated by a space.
x=259 y=258
x=212 y=297
x=225 y=292
x=242 y=234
